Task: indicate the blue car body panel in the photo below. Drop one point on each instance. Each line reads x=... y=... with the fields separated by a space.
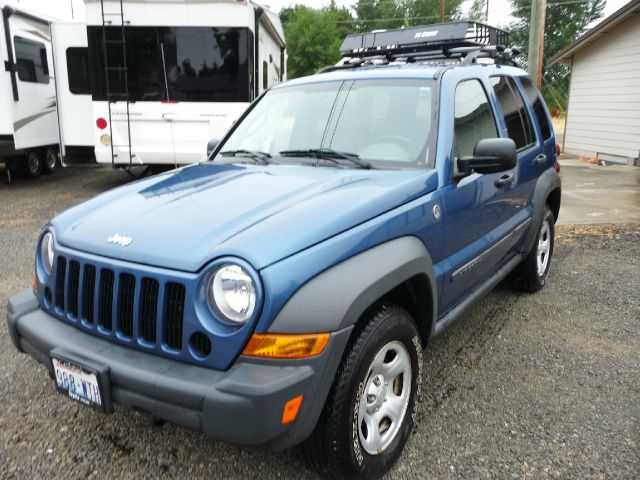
x=184 y=219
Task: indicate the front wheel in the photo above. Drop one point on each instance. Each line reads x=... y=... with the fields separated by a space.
x=369 y=414
x=531 y=275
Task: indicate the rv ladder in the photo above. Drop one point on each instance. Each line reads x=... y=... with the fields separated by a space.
x=123 y=69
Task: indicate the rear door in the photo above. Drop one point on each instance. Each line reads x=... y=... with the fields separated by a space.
x=73 y=90
x=517 y=124
x=540 y=113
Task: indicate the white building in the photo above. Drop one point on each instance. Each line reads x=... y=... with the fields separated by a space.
x=603 y=115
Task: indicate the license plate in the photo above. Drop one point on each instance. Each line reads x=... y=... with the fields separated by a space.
x=78 y=383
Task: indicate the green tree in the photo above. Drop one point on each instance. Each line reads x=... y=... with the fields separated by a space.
x=565 y=21
x=383 y=14
x=314 y=37
x=477 y=11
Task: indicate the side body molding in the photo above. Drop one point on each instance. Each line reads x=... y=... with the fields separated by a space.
x=337 y=297
x=547 y=182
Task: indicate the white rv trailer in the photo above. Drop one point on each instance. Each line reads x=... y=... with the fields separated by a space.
x=169 y=75
x=45 y=99
x=28 y=117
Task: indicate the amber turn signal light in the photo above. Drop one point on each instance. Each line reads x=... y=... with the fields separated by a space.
x=291 y=409
x=268 y=345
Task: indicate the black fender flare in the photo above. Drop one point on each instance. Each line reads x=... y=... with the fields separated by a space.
x=338 y=297
x=547 y=183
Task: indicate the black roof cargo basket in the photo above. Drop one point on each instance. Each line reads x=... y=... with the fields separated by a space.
x=425 y=39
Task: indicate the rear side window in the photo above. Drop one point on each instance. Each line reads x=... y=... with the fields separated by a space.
x=473 y=117
x=78 y=70
x=538 y=107
x=31 y=60
x=515 y=114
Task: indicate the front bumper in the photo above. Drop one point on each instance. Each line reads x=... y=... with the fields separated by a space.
x=242 y=405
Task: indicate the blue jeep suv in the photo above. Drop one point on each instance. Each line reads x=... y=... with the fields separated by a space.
x=283 y=292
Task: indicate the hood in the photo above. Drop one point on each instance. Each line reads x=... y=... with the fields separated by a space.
x=185 y=218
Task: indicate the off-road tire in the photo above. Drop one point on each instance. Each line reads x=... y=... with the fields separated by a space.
x=334 y=447
x=525 y=277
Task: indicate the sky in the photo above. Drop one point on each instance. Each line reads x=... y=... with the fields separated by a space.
x=62 y=9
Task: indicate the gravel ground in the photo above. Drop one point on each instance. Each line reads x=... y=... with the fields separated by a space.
x=524 y=386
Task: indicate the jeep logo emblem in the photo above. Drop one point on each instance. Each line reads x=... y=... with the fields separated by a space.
x=121 y=240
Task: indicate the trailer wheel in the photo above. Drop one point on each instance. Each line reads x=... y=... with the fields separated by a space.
x=33 y=165
x=50 y=160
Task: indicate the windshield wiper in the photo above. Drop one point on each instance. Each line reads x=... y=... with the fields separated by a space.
x=260 y=157
x=327 y=154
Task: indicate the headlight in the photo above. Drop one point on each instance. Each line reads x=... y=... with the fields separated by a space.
x=46 y=252
x=231 y=292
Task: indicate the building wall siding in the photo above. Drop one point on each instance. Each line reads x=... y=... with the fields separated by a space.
x=603 y=116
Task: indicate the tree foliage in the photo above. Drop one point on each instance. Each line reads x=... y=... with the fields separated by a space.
x=314 y=37
x=382 y=14
x=477 y=11
x=565 y=21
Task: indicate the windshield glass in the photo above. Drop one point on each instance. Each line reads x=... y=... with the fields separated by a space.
x=387 y=123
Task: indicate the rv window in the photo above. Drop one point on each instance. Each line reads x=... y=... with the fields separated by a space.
x=31 y=60
x=265 y=75
x=190 y=64
x=78 y=70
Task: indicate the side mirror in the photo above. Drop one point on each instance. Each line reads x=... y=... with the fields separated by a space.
x=490 y=155
x=211 y=146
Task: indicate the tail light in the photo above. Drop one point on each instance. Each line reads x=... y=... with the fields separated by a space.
x=101 y=123
x=558 y=149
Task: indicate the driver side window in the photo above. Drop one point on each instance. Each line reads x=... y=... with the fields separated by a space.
x=474 y=118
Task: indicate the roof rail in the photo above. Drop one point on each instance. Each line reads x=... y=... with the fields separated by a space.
x=435 y=40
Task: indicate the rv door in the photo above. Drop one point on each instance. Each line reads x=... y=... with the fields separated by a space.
x=73 y=91
x=34 y=111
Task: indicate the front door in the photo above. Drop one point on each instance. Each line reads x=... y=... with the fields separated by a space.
x=480 y=211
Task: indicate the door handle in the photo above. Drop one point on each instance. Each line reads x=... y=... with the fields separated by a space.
x=170 y=117
x=505 y=179
x=540 y=160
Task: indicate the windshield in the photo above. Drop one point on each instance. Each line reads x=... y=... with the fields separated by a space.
x=387 y=123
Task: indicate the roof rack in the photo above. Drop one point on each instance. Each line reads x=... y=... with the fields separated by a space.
x=459 y=42
x=422 y=39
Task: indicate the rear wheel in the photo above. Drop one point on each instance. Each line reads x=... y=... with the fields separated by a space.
x=531 y=275
x=50 y=160
x=369 y=414
x=33 y=164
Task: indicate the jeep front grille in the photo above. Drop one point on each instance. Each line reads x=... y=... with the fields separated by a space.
x=129 y=305
x=173 y=312
x=60 y=276
x=127 y=295
x=74 y=279
x=105 y=298
x=149 y=309
x=88 y=292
